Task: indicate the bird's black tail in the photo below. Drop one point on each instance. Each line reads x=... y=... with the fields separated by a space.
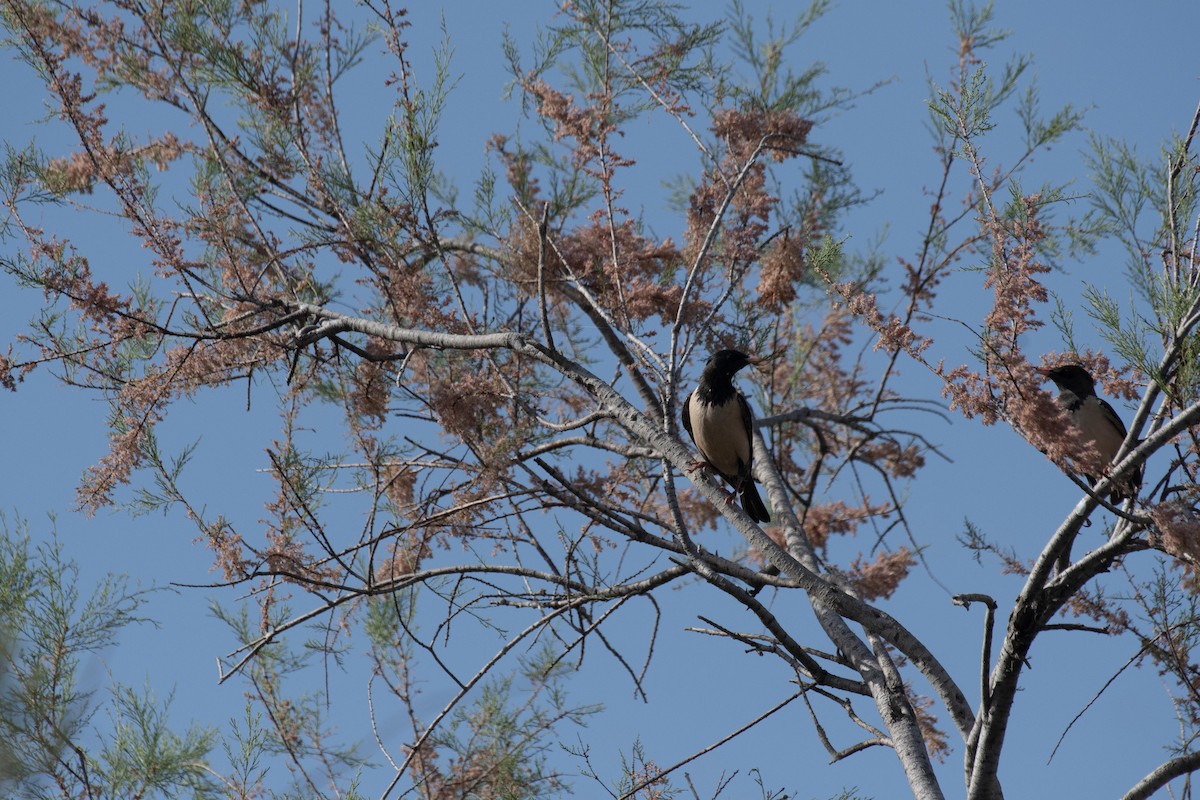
x=752 y=503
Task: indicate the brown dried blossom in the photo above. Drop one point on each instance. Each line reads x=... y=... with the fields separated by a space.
x=1038 y=415
x=183 y=369
x=229 y=550
x=746 y=131
x=1014 y=282
x=1009 y=387
x=969 y=392
x=370 y=389
x=518 y=170
x=837 y=517
x=186 y=368
x=411 y=298
x=898 y=460
x=652 y=779
x=1178 y=524
x=467 y=404
x=589 y=252
x=6 y=371
x=697 y=509
x=521 y=248
x=79 y=171
x=776 y=535
x=588 y=126
x=113 y=469
x=880 y=578
x=398 y=484
x=645 y=298
x=894 y=333
x=1092 y=603
x=748 y=136
x=615 y=265
x=783 y=268
x=699 y=217
x=404 y=558
x=935 y=737
x=70 y=275
x=287 y=557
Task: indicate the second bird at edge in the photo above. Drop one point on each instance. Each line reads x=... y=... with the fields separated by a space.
x=1096 y=421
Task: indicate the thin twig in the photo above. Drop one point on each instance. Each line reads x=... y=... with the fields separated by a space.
x=659 y=776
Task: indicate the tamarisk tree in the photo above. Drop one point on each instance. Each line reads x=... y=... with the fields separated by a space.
x=477 y=394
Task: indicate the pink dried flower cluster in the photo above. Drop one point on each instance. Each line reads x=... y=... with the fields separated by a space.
x=837 y=517
x=899 y=460
x=589 y=126
x=783 y=268
x=618 y=266
x=370 y=391
x=399 y=485
x=969 y=392
x=894 y=334
x=1178 y=524
x=611 y=261
x=114 y=468
x=229 y=550
x=744 y=131
x=6 y=378
x=748 y=136
x=1014 y=281
x=518 y=168
x=7 y=367
x=467 y=403
x=287 y=557
x=69 y=275
x=105 y=44
x=79 y=171
x=405 y=557
x=645 y=297
x=935 y=737
x=881 y=577
x=1091 y=602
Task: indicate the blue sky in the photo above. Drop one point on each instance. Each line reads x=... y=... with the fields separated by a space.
x=1134 y=67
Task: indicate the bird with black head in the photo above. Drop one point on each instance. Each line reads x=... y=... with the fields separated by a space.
x=719 y=420
x=1096 y=421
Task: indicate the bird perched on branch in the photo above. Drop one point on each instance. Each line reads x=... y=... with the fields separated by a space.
x=719 y=421
x=1096 y=421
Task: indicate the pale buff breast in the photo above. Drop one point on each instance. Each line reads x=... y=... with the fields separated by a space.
x=720 y=435
x=1095 y=424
